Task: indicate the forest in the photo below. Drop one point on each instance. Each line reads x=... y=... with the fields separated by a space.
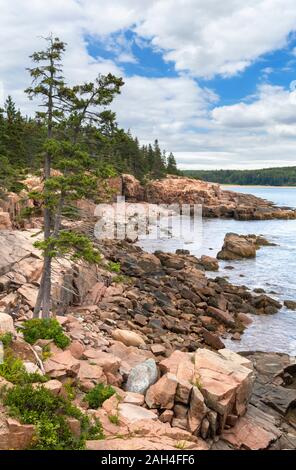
x=279 y=176
x=22 y=141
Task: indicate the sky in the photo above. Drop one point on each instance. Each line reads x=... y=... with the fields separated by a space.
x=213 y=81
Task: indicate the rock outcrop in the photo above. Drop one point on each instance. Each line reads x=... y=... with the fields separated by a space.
x=215 y=201
x=241 y=246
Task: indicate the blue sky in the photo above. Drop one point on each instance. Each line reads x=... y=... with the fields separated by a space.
x=275 y=68
x=210 y=80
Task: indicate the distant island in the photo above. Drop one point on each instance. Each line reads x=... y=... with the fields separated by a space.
x=280 y=176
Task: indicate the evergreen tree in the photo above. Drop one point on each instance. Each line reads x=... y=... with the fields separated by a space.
x=70 y=113
x=172 y=165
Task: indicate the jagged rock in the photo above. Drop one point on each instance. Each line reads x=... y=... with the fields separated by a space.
x=6 y=323
x=254 y=431
x=130 y=356
x=197 y=410
x=221 y=316
x=90 y=374
x=211 y=339
x=29 y=292
x=142 y=376
x=162 y=393
x=61 y=365
x=16 y=436
x=225 y=383
x=129 y=338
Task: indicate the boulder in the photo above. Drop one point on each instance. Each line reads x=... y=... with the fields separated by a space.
x=237 y=247
x=90 y=375
x=129 y=338
x=221 y=316
x=16 y=436
x=211 y=339
x=6 y=323
x=142 y=376
x=197 y=411
x=209 y=263
x=225 y=383
x=55 y=386
x=162 y=393
x=62 y=364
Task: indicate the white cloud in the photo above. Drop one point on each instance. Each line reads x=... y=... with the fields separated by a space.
x=204 y=37
x=208 y=37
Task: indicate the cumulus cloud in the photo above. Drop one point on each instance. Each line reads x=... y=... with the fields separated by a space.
x=213 y=37
x=202 y=38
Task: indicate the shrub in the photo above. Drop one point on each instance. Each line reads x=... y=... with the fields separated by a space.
x=13 y=370
x=114 y=419
x=45 y=328
x=40 y=407
x=6 y=339
x=114 y=267
x=97 y=395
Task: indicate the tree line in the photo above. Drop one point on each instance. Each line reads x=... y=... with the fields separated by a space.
x=281 y=176
x=22 y=140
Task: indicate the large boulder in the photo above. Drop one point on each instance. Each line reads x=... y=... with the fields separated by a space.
x=225 y=382
x=6 y=323
x=237 y=247
x=162 y=393
x=142 y=376
x=129 y=338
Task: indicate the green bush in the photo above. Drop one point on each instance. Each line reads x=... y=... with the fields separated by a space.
x=114 y=267
x=13 y=370
x=97 y=395
x=6 y=339
x=40 y=407
x=46 y=328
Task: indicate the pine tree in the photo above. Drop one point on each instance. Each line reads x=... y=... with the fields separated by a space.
x=172 y=165
x=70 y=113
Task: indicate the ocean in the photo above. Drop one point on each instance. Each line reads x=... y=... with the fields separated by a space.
x=274 y=268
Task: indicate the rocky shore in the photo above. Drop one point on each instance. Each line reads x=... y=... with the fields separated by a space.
x=215 y=201
x=151 y=326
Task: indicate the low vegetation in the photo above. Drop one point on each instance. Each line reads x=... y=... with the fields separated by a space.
x=13 y=370
x=47 y=328
x=49 y=414
x=97 y=395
